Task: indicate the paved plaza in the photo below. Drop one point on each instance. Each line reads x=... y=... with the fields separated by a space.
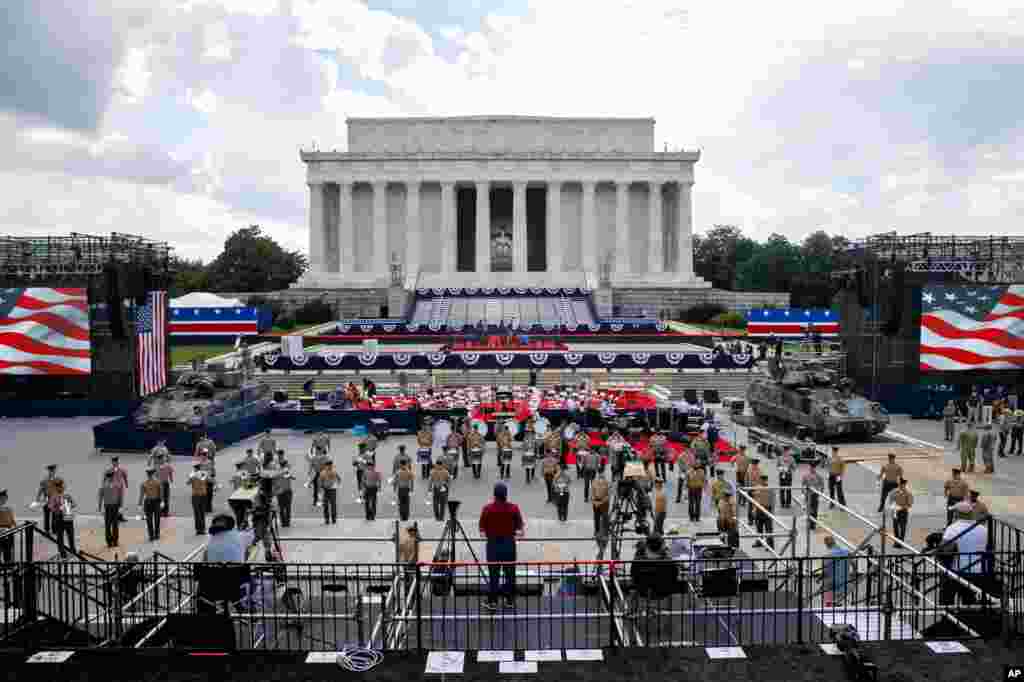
x=33 y=443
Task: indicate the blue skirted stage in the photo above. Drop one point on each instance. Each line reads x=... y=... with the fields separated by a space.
x=124 y=435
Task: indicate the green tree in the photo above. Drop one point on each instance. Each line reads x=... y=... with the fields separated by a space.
x=773 y=266
x=252 y=261
x=189 y=276
x=817 y=252
x=717 y=254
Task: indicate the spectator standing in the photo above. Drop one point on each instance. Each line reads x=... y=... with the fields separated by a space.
x=501 y=523
x=835 y=573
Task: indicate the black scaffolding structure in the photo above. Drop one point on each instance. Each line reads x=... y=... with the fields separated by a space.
x=878 y=295
x=118 y=271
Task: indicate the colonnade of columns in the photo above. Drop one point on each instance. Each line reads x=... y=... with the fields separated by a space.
x=419 y=235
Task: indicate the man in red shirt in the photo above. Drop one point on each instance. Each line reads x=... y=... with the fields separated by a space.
x=501 y=523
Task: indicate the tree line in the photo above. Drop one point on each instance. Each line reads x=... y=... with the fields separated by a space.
x=252 y=261
x=731 y=260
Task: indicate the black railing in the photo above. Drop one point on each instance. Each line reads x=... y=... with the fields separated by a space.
x=577 y=604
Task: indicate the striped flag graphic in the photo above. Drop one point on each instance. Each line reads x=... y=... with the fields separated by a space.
x=972 y=327
x=44 y=331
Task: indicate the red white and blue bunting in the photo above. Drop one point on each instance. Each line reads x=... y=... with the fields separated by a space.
x=331 y=359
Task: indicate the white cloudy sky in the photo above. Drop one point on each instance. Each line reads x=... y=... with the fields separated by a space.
x=183 y=120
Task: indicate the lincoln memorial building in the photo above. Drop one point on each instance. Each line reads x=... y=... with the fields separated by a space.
x=500 y=201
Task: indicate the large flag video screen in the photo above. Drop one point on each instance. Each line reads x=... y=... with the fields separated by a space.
x=972 y=327
x=44 y=331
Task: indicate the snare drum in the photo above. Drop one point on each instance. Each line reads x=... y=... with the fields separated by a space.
x=423 y=456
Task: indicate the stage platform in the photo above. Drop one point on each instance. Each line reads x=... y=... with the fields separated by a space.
x=897 y=661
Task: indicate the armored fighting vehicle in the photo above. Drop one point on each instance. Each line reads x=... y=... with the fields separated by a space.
x=199 y=400
x=810 y=396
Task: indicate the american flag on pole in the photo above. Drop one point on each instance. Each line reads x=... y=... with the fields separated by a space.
x=151 y=337
x=44 y=331
x=972 y=327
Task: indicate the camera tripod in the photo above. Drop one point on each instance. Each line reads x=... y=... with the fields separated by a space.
x=442 y=577
x=625 y=508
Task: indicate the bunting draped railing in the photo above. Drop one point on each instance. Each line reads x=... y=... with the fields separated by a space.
x=332 y=359
x=380 y=327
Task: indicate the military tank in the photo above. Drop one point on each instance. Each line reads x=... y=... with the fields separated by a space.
x=199 y=400
x=810 y=396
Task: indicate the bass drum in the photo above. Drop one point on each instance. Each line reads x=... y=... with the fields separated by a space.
x=480 y=427
x=513 y=427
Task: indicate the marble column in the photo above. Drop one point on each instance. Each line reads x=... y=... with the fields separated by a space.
x=553 y=231
x=656 y=244
x=317 y=231
x=684 y=237
x=483 y=227
x=380 y=231
x=588 y=229
x=412 y=228
x=346 y=229
x=622 y=227
x=519 y=251
x=449 y=231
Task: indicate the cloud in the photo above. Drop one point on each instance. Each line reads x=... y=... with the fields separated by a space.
x=60 y=59
x=850 y=118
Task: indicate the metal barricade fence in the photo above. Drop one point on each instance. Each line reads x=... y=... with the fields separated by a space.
x=708 y=601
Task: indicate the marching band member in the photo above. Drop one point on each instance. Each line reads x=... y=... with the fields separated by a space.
x=562 y=486
x=475 y=443
x=282 y=489
x=504 y=443
x=49 y=487
x=424 y=453
x=158 y=455
x=149 y=500
x=251 y=463
x=197 y=481
x=317 y=458
x=63 y=507
x=165 y=473
x=439 y=482
x=267 y=446
x=330 y=480
x=109 y=501
x=359 y=461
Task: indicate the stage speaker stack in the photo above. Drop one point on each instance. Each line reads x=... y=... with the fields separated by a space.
x=115 y=308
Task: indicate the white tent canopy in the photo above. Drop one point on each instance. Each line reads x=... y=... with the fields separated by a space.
x=202 y=299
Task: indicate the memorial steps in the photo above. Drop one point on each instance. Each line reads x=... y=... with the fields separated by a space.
x=494 y=310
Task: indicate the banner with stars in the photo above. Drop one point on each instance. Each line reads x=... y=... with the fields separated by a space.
x=241 y=321
x=790 y=322
x=972 y=327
